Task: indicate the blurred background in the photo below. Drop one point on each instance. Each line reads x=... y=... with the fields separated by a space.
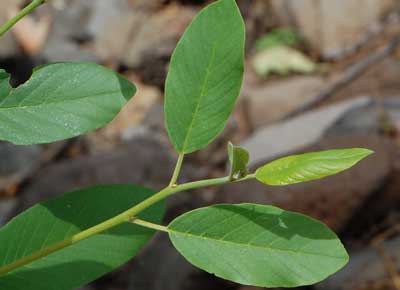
x=320 y=74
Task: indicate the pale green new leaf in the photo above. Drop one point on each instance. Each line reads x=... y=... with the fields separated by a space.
x=60 y=101
x=238 y=160
x=258 y=245
x=282 y=60
x=309 y=166
x=55 y=220
x=205 y=76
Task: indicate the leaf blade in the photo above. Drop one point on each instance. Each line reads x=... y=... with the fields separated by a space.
x=258 y=245
x=4 y=84
x=309 y=166
x=205 y=76
x=52 y=221
x=60 y=101
x=238 y=159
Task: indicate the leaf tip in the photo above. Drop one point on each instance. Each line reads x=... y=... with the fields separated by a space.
x=128 y=89
x=362 y=153
x=367 y=152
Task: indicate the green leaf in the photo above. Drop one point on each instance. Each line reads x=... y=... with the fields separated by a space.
x=60 y=101
x=238 y=159
x=4 y=84
x=309 y=166
x=205 y=76
x=282 y=60
x=57 y=219
x=278 y=37
x=258 y=245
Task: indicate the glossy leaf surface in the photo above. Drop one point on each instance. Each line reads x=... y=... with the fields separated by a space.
x=309 y=166
x=61 y=101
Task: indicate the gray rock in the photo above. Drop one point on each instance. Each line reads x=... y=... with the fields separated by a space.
x=59 y=49
x=161 y=267
x=123 y=18
x=141 y=161
x=122 y=31
x=108 y=20
x=153 y=39
x=365 y=269
x=280 y=139
x=70 y=26
x=16 y=162
x=272 y=101
x=155 y=119
x=8 y=44
x=148 y=43
x=378 y=116
x=392 y=107
x=14 y=158
x=7 y=206
x=332 y=26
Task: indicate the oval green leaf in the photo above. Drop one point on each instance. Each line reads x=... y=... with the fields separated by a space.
x=61 y=101
x=258 y=245
x=309 y=166
x=205 y=76
x=55 y=220
x=238 y=160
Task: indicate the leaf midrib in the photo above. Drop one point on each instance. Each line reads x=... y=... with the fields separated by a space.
x=254 y=246
x=329 y=158
x=338 y=157
x=58 y=102
x=303 y=163
x=201 y=96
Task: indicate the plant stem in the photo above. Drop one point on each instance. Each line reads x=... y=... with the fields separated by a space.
x=149 y=225
x=177 y=170
x=126 y=216
x=28 y=9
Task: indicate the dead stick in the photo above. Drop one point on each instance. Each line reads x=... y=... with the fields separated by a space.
x=347 y=77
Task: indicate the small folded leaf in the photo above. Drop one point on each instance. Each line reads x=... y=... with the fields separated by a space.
x=238 y=159
x=55 y=220
x=61 y=101
x=309 y=166
x=205 y=76
x=258 y=245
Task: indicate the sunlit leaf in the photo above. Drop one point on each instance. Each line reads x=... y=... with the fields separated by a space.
x=310 y=166
x=60 y=101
